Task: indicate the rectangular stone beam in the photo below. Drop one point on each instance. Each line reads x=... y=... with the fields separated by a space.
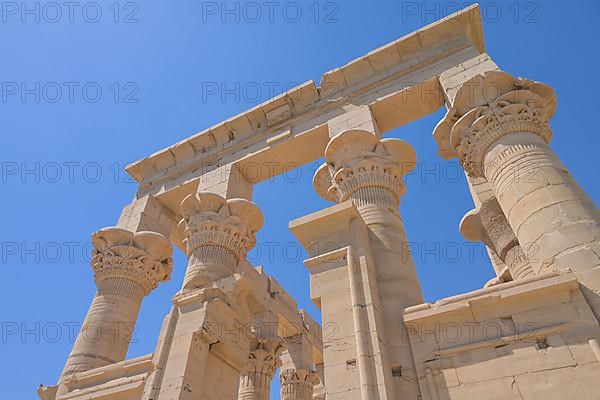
x=299 y=118
x=146 y=213
x=270 y=295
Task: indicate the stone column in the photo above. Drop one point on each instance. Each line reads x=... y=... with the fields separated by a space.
x=255 y=381
x=127 y=266
x=498 y=128
x=369 y=171
x=219 y=233
x=263 y=359
x=209 y=348
x=489 y=225
x=297 y=384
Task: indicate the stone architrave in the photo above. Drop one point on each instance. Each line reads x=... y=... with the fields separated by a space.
x=297 y=384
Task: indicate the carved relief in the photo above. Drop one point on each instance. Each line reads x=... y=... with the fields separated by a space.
x=219 y=233
x=121 y=256
x=364 y=169
x=489 y=107
x=297 y=384
x=255 y=382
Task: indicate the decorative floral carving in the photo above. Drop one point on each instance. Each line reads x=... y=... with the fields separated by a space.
x=219 y=233
x=265 y=361
x=141 y=257
x=262 y=363
x=297 y=384
x=211 y=220
x=365 y=169
x=489 y=107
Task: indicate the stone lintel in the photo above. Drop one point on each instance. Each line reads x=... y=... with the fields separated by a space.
x=270 y=295
x=267 y=294
x=130 y=387
x=414 y=58
x=215 y=322
x=414 y=101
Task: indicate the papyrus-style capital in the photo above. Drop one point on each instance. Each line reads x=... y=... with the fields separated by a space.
x=127 y=266
x=360 y=167
x=141 y=257
x=219 y=233
x=488 y=107
x=255 y=381
x=211 y=220
x=297 y=384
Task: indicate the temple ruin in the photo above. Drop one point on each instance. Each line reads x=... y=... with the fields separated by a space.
x=232 y=327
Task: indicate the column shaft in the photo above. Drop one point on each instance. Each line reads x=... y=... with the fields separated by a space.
x=396 y=280
x=255 y=381
x=369 y=171
x=127 y=266
x=481 y=190
x=489 y=225
x=110 y=322
x=550 y=214
x=499 y=128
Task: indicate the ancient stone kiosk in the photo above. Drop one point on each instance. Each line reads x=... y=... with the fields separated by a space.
x=232 y=327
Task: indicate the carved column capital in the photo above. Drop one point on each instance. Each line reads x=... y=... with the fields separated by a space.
x=360 y=167
x=127 y=266
x=297 y=384
x=489 y=107
x=212 y=220
x=263 y=361
x=219 y=233
x=142 y=257
x=264 y=358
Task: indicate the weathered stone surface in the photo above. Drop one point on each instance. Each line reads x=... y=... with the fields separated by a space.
x=532 y=332
x=127 y=266
x=219 y=233
x=498 y=126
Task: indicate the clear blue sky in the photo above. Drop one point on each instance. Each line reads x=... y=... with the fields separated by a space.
x=62 y=153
